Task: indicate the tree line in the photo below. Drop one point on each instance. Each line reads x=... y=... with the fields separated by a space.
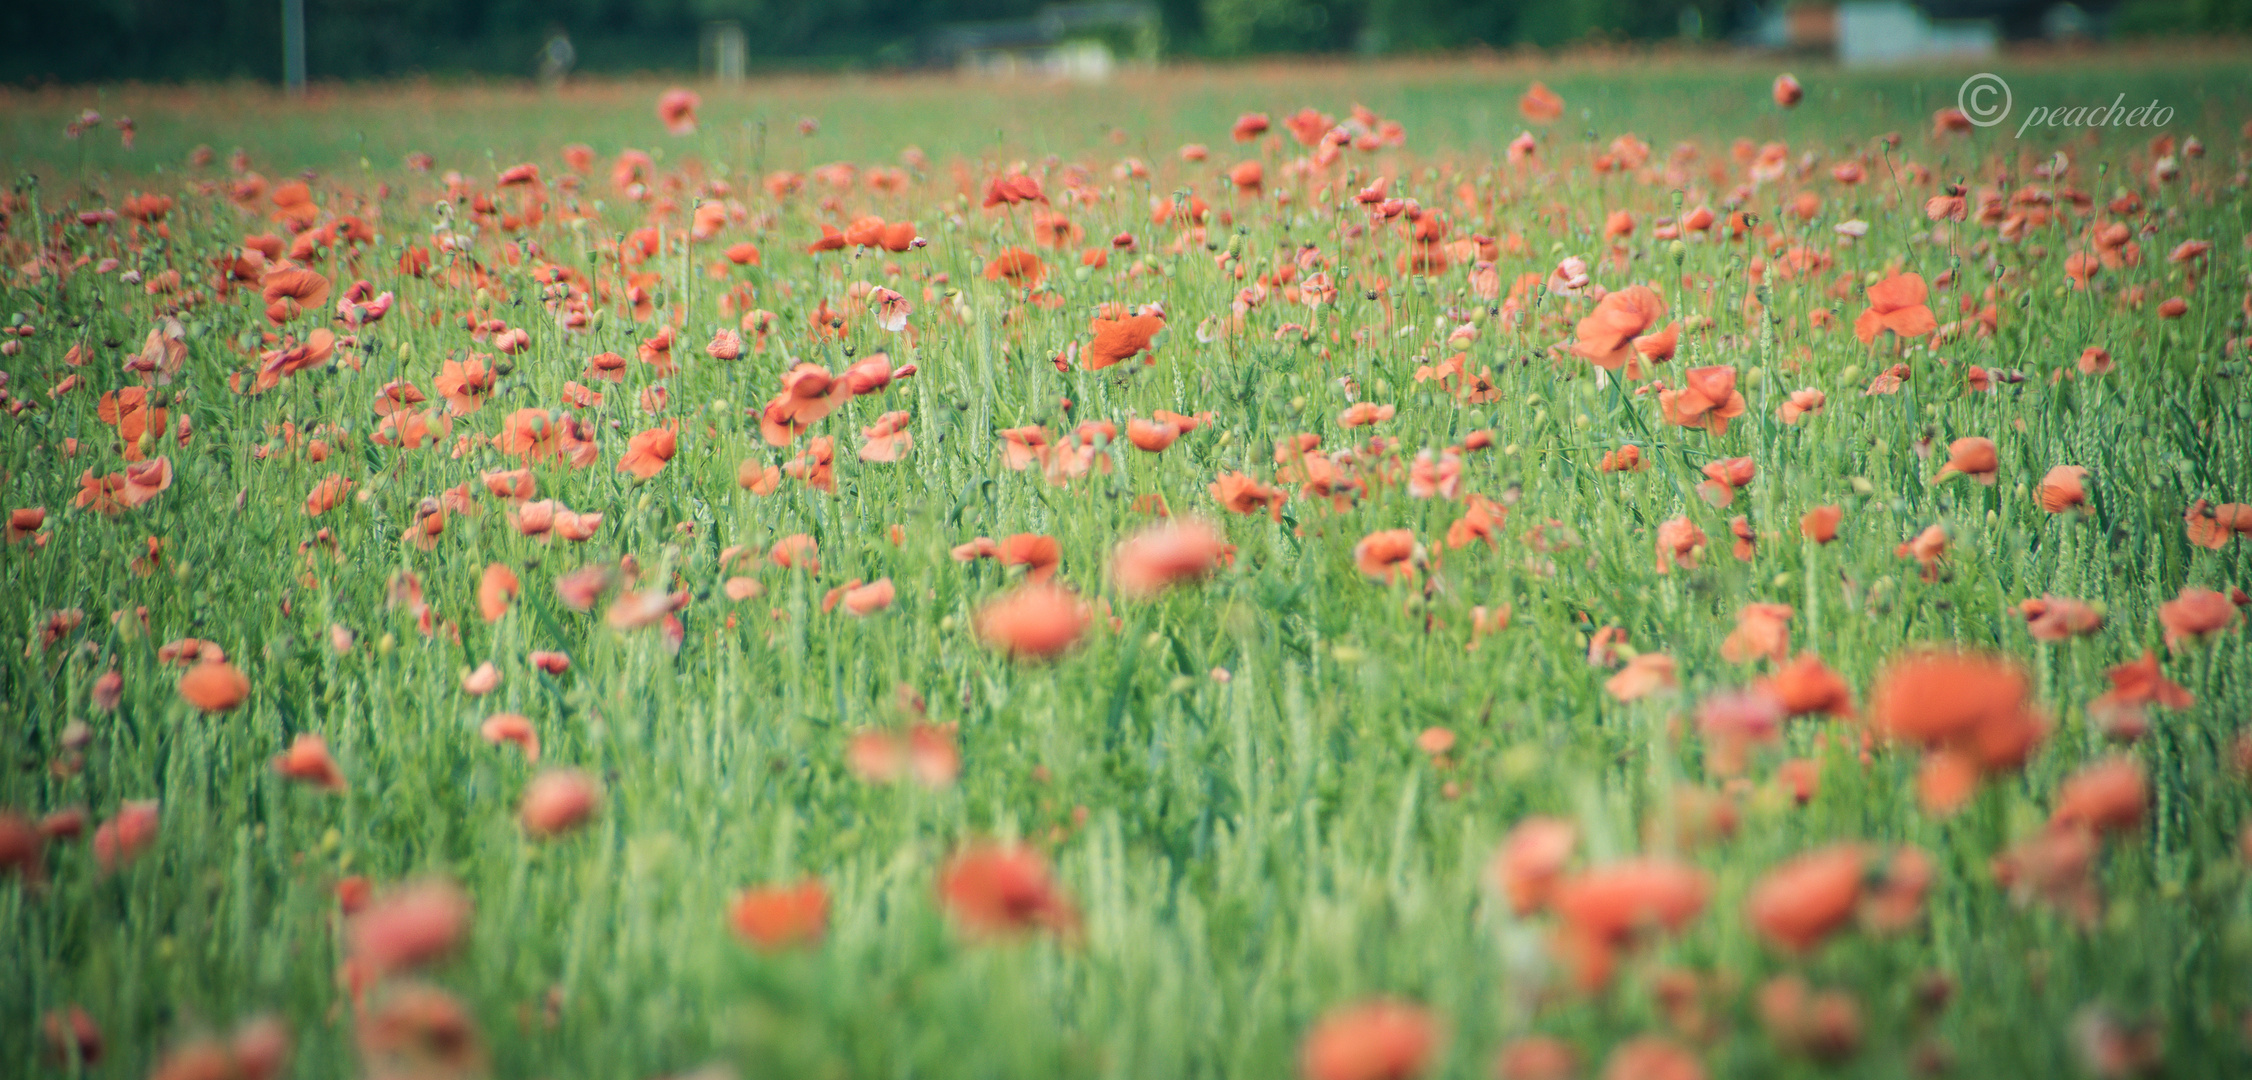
x=76 y=41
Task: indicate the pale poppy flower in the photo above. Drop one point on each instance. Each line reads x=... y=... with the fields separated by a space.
x=1036 y=621
x=558 y=801
x=1642 y=676
x=481 y=680
x=512 y=728
x=409 y=927
x=677 y=108
x=1531 y=859
x=1146 y=563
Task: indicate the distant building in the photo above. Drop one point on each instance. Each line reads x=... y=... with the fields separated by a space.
x=1892 y=32
x=1079 y=41
x=1874 y=32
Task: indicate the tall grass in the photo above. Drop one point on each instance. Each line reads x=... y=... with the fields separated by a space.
x=1227 y=779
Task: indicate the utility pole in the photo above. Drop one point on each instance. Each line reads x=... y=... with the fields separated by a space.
x=293 y=46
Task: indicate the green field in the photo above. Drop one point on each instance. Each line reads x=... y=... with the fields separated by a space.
x=1246 y=820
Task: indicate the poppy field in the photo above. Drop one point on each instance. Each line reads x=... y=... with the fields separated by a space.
x=1640 y=570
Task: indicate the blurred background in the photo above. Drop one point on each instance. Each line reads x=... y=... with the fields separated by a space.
x=77 y=41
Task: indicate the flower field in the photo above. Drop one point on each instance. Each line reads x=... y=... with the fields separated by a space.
x=1631 y=569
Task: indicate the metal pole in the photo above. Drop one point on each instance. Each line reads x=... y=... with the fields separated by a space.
x=293 y=46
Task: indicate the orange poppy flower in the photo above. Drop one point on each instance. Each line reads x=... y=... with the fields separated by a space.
x=1652 y=1057
x=809 y=393
x=136 y=421
x=1798 y=905
x=127 y=834
x=1390 y=555
x=2133 y=685
x=1036 y=620
x=1243 y=495
x=1821 y=524
x=1896 y=304
x=290 y=291
x=1679 y=540
x=2195 y=613
x=1036 y=553
x=2055 y=618
x=1152 y=437
x=214 y=687
x=1610 y=906
x=1974 y=457
x=1018 y=266
x=1120 y=339
x=1642 y=676
x=1375 y=1040
x=495 y=589
x=1365 y=413
x=1536 y=1057
x=1540 y=105
x=1927 y=548
x=1724 y=477
x=2056 y=867
x=1013 y=189
x=189 y=652
x=307 y=761
x=994 y=890
x=776 y=917
x=511 y=728
x=25 y=521
x=1761 y=630
x=1619 y=329
x=865 y=600
x=529 y=434
x=142 y=481
x=1709 y=400
x=1807 y=686
x=1824 y=1025
x=465 y=385
x=1624 y=459
x=326 y=495
x=2108 y=796
x=1805 y=402
x=648 y=451
x=1969 y=711
x=1481 y=520
x=2064 y=488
